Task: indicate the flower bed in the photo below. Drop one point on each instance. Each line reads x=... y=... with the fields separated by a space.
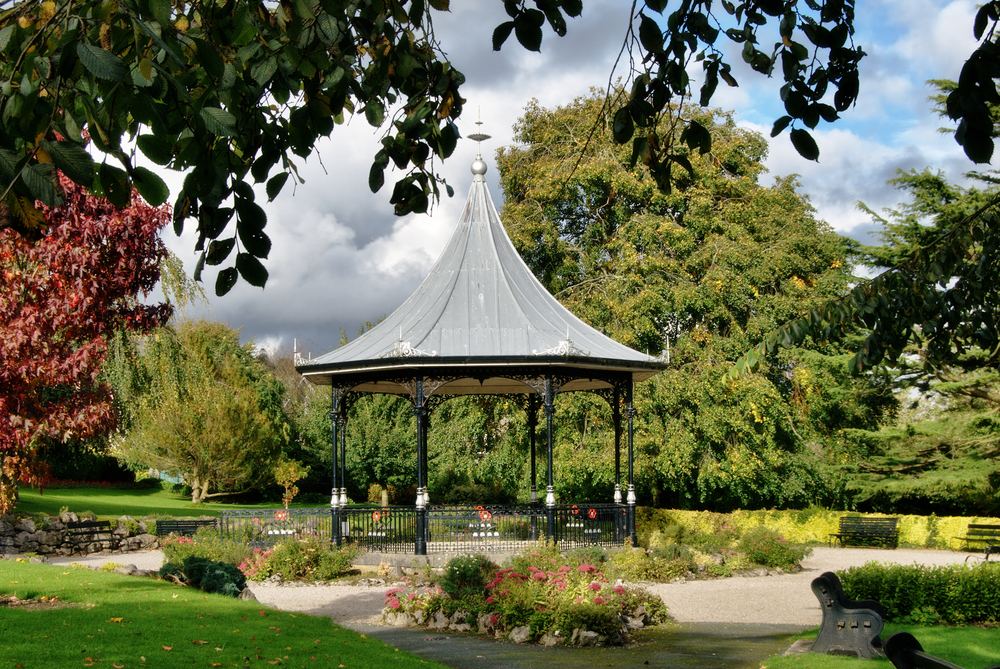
x=542 y=596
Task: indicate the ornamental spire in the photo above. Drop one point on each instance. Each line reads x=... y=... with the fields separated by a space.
x=478 y=165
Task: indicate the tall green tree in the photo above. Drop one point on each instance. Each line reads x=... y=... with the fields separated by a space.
x=206 y=409
x=697 y=274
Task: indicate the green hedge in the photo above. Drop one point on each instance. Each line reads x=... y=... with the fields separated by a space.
x=953 y=594
x=659 y=527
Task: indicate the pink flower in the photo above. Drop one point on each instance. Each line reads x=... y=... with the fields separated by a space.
x=560 y=586
x=490 y=599
x=619 y=590
x=536 y=555
x=594 y=585
x=533 y=569
x=565 y=568
x=538 y=576
x=552 y=560
x=489 y=586
x=585 y=568
x=598 y=600
x=578 y=600
x=412 y=596
x=504 y=592
x=392 y=602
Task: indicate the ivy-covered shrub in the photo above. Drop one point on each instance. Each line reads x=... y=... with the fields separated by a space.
x=205 y=543
x=770 y=549
x=305 y=559
x=921 y=594
x=207 y=575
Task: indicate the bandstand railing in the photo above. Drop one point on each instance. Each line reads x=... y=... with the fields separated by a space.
x=448 y=529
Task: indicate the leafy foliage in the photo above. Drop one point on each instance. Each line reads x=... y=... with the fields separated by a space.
x=204 y=408
x=305 y=558
x=467 y=575
x=953 y=594
x=64 y=296
x=770 y=549
x=205 y=543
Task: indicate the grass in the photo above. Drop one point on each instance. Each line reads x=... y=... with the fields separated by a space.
x=128 y=621
x=137 y=502
x=969 y=647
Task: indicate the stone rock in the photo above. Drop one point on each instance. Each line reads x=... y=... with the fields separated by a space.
x=458 y=617
x=53 y=523
x=126 y=569
x=247 y=595
x=69 y=517
x=419 y=616
x=399 y=619
x=588 y=638
x=634 y=623
x=37 y=559
x=520 y=634
x=26 y=525
x=146 y=541
x=575 y=636
x=485 y=623
x=549 y=640
x=460 y=627
x=439 y=621
x=275 y=578
x=395 y=574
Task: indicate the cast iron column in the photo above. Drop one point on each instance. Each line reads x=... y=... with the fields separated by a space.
x=550 y=491
x=630 y=413
x=343 y=459
x=334 y=501
x=532 y=427
x=616 y=413
x=420 y=411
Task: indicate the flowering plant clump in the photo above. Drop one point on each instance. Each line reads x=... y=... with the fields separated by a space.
x=205 y=543
x=770 y=549
x=304 y=558
x=552 y=594
x=256 y=567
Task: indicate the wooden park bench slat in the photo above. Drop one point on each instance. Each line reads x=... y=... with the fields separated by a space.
x=183 y=527
x=980 y=533
x=865 y=531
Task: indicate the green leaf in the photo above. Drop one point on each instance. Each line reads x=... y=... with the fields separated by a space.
x=40 y=182
x=780 y=125
x=650 y=34
x=218 y=250
x=150 y=186
x=527 y=31
x=218 y=121
x=622 y=129
x=102 y=64
x=575 y=7
x=210 y=59
x=374 y=113
x=251 y=270
x=264 y=70
x=226 y=280
x=805 y=144
x=115 y=185
x=156 y=148
x=73 y=160
x=656 y=5
x=376 y=177
x=275 y=184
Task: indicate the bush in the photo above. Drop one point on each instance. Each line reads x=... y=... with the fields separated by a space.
x=205 y=543
x=770 y=549
x=953 y=594
x=308 y=558
x=207 y=575
x=467 y=575
x=659 y=565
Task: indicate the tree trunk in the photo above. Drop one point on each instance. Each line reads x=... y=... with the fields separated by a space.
x=385 y=494
x=199 y=489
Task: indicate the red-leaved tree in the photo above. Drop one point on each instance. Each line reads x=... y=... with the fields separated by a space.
x=62 y=296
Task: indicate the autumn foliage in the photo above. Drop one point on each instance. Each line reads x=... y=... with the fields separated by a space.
x=63 y=296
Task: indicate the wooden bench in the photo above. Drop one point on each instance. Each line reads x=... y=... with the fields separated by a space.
x=905 y=652
x=864 y=531
x=985 y=534
x=182 y=527
x=87 y=532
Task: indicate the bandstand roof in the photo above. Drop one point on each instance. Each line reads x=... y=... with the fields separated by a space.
x=481 y=323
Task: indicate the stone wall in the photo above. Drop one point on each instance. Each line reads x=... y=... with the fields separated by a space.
x=49 y=535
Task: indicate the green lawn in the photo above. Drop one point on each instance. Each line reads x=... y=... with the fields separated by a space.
x=968 y=647
x=115 y=502
x=130 y=621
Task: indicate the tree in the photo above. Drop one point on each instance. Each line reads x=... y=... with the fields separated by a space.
x=230 y=91
x=208 y=411
x=697 y=273
x=65 y=294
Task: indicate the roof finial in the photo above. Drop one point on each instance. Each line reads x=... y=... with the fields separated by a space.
x=478 y=166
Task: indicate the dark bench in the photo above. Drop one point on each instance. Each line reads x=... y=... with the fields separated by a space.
x=85 y=532
x=905 y=652
x=849 y=627
x=981 y=534
x=864 y=531
x=182 y=527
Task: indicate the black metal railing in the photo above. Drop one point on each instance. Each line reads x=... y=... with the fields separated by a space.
x=488 y=528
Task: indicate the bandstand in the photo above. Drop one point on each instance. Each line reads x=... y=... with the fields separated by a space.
x=481 y=323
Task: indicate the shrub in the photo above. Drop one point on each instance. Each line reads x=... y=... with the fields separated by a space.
x=207 y=575
x=657 y=564
x=307 y=558
x=770 y=549
x=205 y=543
x=467 y=575
x=953 y=594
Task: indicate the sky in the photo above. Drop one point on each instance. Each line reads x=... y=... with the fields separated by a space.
x=340 y=256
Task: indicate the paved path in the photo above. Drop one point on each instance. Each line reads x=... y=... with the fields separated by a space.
x=722 y=623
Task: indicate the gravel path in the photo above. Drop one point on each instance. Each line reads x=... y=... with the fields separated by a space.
x=783 y=599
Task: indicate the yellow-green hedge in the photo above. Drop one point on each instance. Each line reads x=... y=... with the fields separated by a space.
x=806 y=526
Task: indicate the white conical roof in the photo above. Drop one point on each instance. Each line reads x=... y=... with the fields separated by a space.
x=480 y=305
